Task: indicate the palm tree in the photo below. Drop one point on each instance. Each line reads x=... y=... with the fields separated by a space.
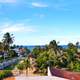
x=7 y=40
x=54 y=45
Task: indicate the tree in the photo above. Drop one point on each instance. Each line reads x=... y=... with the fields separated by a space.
x=45 y=59
x=1 y=46
x=42 y=61
x=36 y=51
x=7 y=40
x=54 y=45
x=12 y=53
x=13 y=46
x=71 y=55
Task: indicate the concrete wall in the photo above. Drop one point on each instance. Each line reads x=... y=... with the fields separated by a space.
x=65 y=74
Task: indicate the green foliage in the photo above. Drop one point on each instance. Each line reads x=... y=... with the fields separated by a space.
x=71 y=56
x=36 y=51
x=20 y=66
x=41 y=61
x=71 y=61
x=24 y=65
x=47 y=56
x=76 y=66
x=62 y=61
x=8 y=38
x=46 y=59
x=1 y=59
x=7 y=41
x=5 y=73
x=13 y=47
x=71 y=51
x=52 y=56
x=1 y=46
x=12 y=53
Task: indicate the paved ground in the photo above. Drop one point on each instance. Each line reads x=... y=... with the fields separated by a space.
x=10 y=78
x=39 y=78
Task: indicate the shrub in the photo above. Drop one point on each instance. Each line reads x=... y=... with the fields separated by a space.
x=12 y=54
x=76 y=67
x=1 y=59
x=20 y=66
x=5 y=73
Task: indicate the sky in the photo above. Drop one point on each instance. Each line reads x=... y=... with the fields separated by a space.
x=37 y=22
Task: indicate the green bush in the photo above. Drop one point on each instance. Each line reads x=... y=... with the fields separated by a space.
x=5 y=73
x=76 y=67
x=20 y=66
x=2 y=75
x=12 y=54
x=1 y=59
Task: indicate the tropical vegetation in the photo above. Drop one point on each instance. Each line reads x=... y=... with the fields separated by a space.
x=7 y=48
x=5 y=73
x=24 y=65
x=52 y=55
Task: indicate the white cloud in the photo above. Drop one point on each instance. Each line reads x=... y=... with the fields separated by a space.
x=41 y=16
x=7 y=1
x=39 y=5
x=16 y=28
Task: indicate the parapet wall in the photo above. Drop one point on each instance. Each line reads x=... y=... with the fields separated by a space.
x=65 y=74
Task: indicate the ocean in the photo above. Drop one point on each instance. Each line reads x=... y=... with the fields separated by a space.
x=31 y=47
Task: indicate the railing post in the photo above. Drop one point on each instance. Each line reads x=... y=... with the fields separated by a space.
x=49 y=72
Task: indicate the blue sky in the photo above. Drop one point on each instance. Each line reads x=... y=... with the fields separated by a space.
x=36 y=22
